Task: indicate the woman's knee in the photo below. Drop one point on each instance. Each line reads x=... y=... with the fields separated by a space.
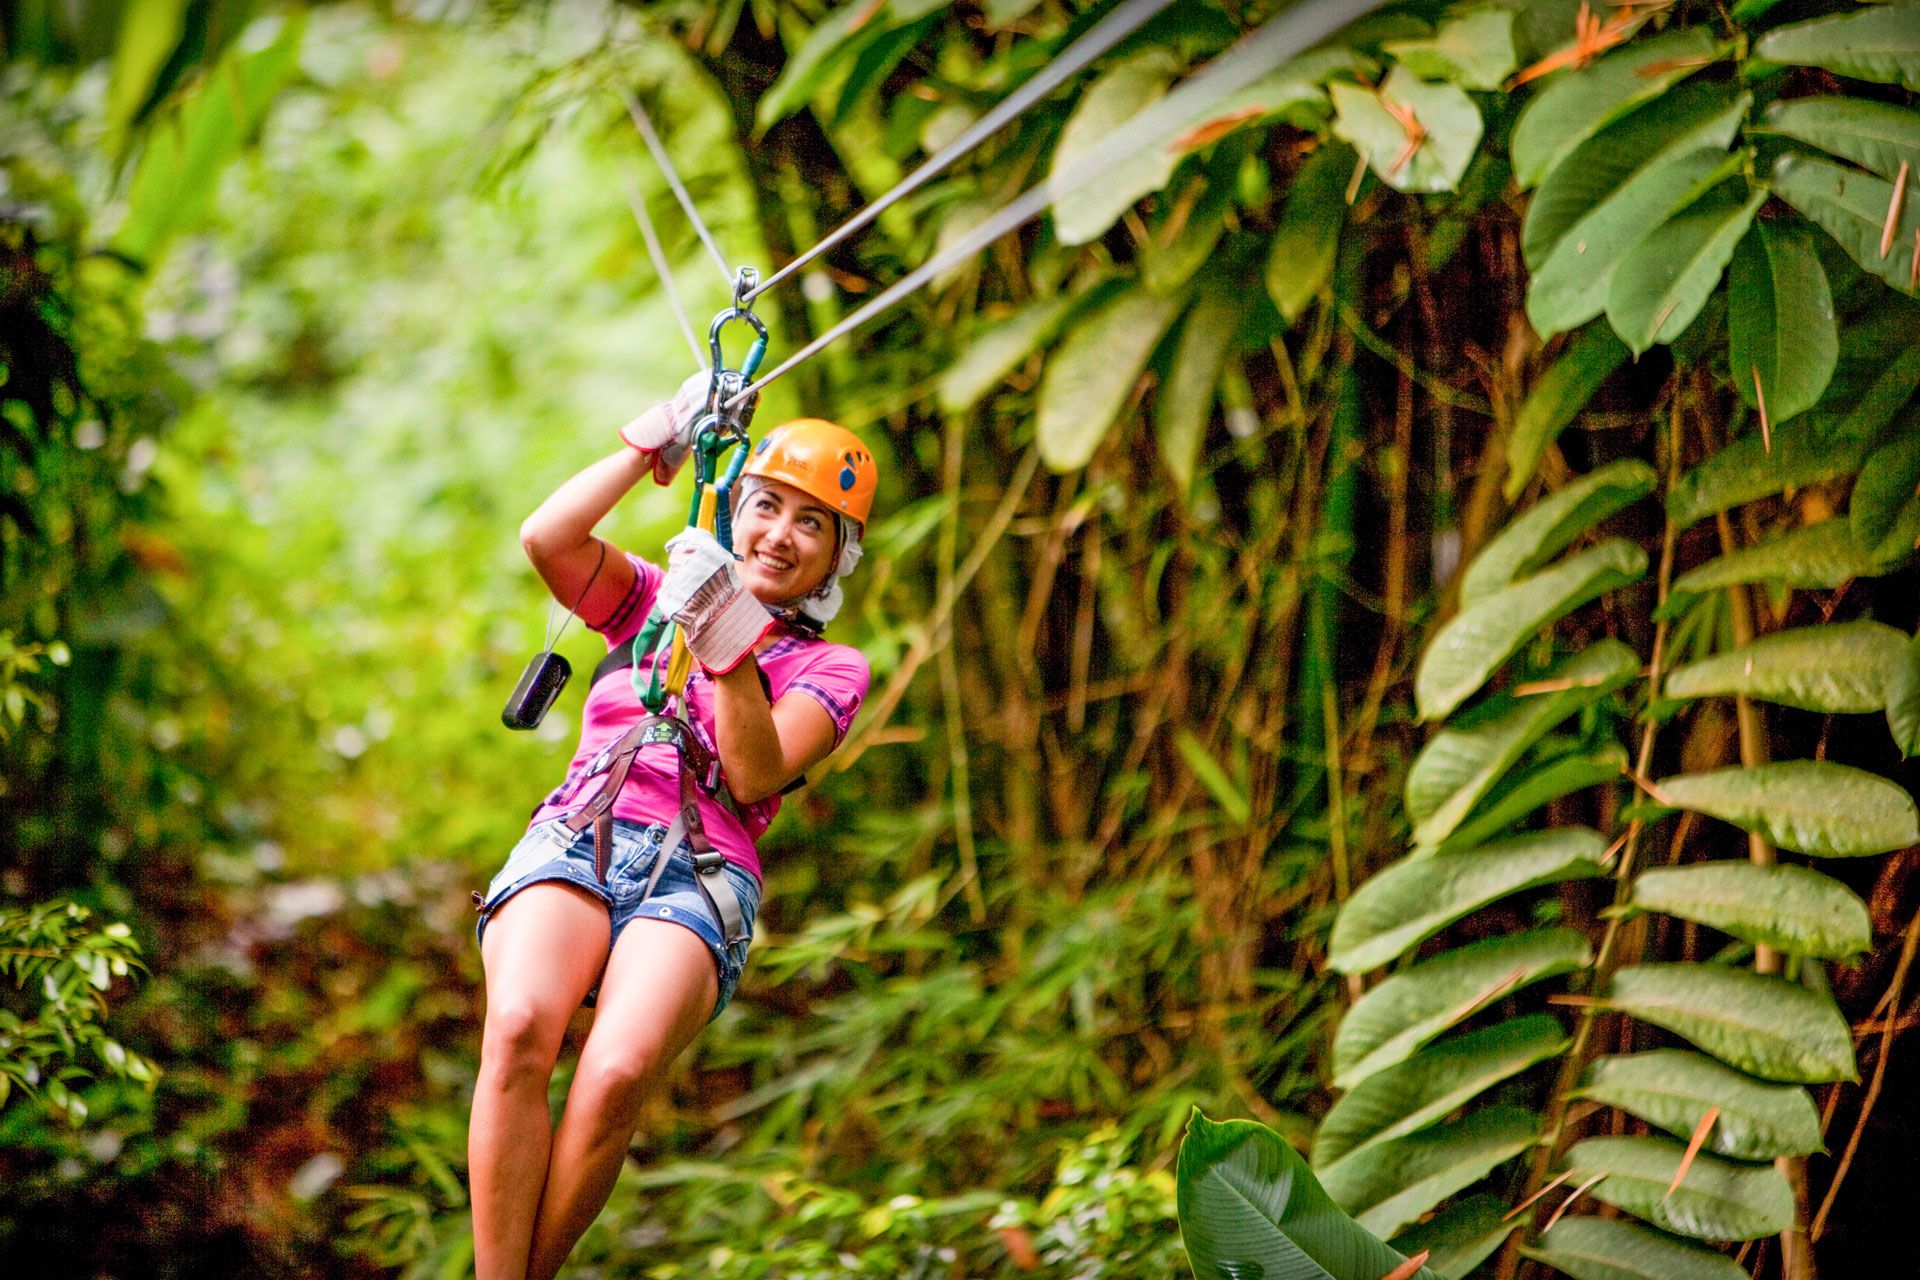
x=614 y=1085
x=522 y=1035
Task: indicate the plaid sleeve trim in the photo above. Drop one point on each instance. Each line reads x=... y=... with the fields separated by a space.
x=624 y=613
x=840 y=713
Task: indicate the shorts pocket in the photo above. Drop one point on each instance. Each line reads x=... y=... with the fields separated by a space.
x=538 y=847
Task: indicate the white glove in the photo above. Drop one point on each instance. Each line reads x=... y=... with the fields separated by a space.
x=703 y=593
x=666 y=430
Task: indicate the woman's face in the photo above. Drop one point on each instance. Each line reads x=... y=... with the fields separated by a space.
x=785 y=540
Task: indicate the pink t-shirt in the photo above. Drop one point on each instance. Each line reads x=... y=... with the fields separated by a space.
x=834 y=675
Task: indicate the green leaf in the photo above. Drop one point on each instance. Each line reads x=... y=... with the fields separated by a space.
x=148 y=35
x=1805 y=451
x=1809 y=806
x=1852 y=206
x=1837 y=667
x=1433 y=1084
x=1764 y=1025
x=1406 y=904
x=1789 y=908
x=1570 y=288
x=1815 y=556
x=1308 y=234
x=1660 y=287
x=1903 y=700
x=835 y=38
x=1473 y=50
x=1090 y=377
x=1549 y=526
x=1388 y=1185
x=1450 y=121
x=1561 y=393
x=1185 y=403
x=1880 y=44
x=1612 y=1249
x=999 y=350
x=1575 y=106
x=1717 y=1200
x=1780 y=321
x=1674 y=1088
x=178 y=174
x=1250 y=1208
x=1700 y=114
x=1225 y=792
x=1886 y=485
x=1461 y=1236
x=1393 y=1020
x=1874 y=135
x=1464 y=761
x=1535 y=787
x=1181 y=241
x=1119 y=93
x=1483 y=635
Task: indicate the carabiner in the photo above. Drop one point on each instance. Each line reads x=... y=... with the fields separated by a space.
x=748 y=366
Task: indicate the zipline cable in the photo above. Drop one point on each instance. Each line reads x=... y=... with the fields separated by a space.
x=644 y=124
x=661 y=268
x=1108 y=32
x=1294 y=31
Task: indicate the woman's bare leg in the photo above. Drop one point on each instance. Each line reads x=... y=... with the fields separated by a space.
x=542 y=951
x=658 y=992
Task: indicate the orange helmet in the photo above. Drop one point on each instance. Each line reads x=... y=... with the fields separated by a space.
x=821 y=459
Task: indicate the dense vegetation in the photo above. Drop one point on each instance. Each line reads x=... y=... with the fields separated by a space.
x=1331 y=568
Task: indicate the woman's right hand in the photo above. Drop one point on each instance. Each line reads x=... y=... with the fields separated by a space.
x=666 y=431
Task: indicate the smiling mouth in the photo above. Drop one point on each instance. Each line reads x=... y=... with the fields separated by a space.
x=772 y=564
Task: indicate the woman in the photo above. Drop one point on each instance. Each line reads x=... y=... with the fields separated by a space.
x=647 y=944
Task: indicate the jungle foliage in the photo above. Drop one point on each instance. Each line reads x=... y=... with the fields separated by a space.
x=1383 y=591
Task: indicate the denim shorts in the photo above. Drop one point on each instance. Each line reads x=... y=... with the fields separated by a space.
x=549 y=852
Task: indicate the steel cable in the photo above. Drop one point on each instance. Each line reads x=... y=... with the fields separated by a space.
x=644 y=124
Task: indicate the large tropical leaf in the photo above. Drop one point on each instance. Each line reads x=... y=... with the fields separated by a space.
x=1464 y=761
x=1874 y=135
x=1810 y=806
x=1538 y=785
x=1389 y=1184
x=1090 y=377
x=1673 y=1089
x=1575 y=106
x=1570 y=288
x=1783 y=343
x=1903 y=700
x=1763 y=1025
x=1185 y=403
x=1561 y=393
x=1612 y=1249
x=1430 y=160
x=1473 y=49
x=1482 y=636
x=178 y=174
x=1838 y=667
x=1119 y=93
x=1814 y=556
x=1434 y=1083
x=1549 y=526
x=1881 y=43
x=1461 y=1236
x=1414 y=899
x=1700 y=114
x=1665 y=280
x=1392 y=1021
x=1789 y=908
x=1308 y=234
x=1886 y=487
x=1250 y=1209
x=1805 y=451
x=840 y=35
x=1852 y=206
x=1717 y=1200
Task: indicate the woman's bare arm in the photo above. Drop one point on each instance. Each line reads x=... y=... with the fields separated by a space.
x=762 y=747
x=558 y=536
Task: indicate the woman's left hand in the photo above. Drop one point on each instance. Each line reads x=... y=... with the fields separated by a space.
x=702 y=592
